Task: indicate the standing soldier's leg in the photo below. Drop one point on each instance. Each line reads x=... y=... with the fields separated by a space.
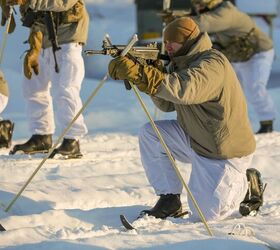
x=67 y=86
x=6 y=126
x=254 y=76
x=39 y=110
x=261 y=68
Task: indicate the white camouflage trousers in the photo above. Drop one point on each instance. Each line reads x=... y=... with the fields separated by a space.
x=3 y=103
x=253 y=76
x=65 y=87
x=217 y=185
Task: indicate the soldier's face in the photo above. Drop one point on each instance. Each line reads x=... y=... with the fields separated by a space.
x=172 y=47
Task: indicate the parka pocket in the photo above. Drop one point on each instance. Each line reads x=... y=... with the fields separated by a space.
x=74 y=14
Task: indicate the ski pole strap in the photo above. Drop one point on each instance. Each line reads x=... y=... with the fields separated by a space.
x=56 y=67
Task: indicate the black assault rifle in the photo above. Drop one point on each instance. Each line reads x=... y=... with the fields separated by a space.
x=144 y=55
x=52 y=33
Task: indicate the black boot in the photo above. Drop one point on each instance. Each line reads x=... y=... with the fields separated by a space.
x=167 y=205
x=69 y=148
x=2 y=229
x=6 y=133
x=36 y=144
x=266 y=127
x=254 y=196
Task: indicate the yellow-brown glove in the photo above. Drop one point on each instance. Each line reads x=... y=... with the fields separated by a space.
x=147 y=78
x=16 y=2
x=5 y=15
x=31 y=59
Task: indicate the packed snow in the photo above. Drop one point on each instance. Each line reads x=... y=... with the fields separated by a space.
x=75 y=204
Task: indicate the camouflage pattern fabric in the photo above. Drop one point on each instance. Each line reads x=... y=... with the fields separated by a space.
x=242 y=48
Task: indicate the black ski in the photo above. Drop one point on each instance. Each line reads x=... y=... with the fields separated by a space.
x=2 y=229
x=128 y=225
x=179 y=215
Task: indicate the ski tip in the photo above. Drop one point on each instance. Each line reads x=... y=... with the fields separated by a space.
x=181 y=214
x=126 y=223
x=2 y=229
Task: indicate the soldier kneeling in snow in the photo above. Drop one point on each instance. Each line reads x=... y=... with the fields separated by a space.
x=212 y=130
x=6 y=126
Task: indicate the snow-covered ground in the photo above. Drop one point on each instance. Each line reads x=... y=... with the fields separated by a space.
x=75 y=204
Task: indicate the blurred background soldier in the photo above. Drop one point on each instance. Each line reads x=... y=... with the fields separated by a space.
x=248 y=48
x=6 y=126
x=58 y=30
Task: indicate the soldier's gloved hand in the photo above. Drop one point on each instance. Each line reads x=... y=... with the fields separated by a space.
x=31 y=59
x=5 y=15
x=147 y=78
x=159 y=65
x=123 y=68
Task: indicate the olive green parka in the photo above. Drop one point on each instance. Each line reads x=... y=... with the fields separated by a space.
x=203 y=89
x=74 y=20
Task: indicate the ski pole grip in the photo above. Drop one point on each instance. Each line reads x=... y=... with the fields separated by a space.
x=127 y=84
x=132 y=41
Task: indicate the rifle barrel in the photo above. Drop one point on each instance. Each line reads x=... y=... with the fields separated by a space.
x=91 y=52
